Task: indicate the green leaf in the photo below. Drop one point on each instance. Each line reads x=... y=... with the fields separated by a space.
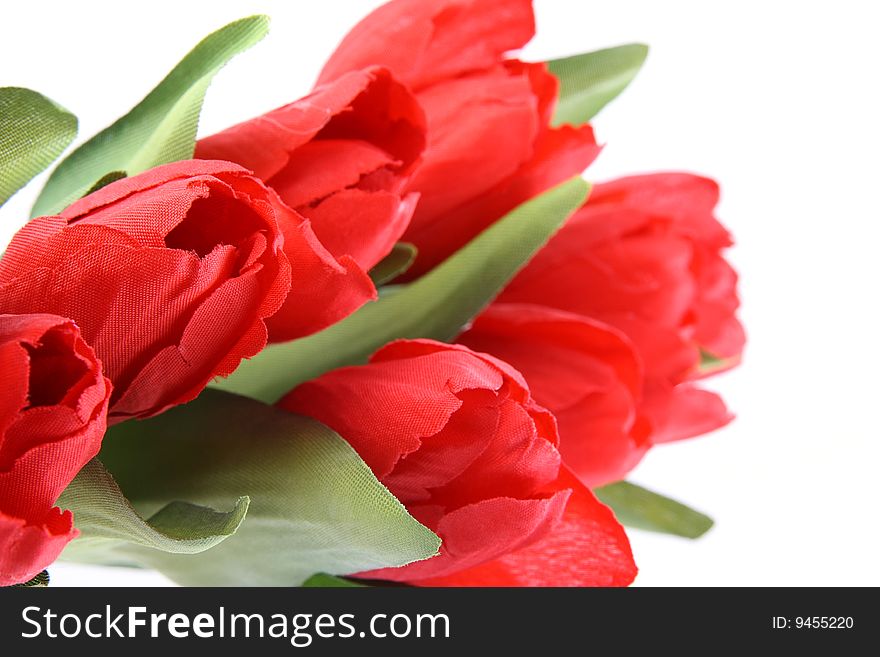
x=709 y=363
x=590 y=81
x=105 y=180
x=638 y=507
x=33 y=132
x=323 y=580
x=401 y=258
x=109 y=526
x=315 y=505
x=160 y=129
x=435 y=306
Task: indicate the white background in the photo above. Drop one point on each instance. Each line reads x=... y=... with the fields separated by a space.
x=777 y=100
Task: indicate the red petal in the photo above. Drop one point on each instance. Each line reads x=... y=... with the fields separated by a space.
x=683 y=411
x=50 y=433
x=645 y=252
x=367 y=106
x=150 y=179
x=324 y=289
x=443 y=457
x=586 y=547
x=423 y=393
x=364 y=225
x=545 y=86
x=477 y=534
x=13 y=383
x=648 y=277
x=423 y=42
x=400 y=349
x=557 y=155
x=586 y=373
x=717 y=330
x=53 y=412
x=218 y=327
x=687 y=200
x=666 y=353
x=519 y=461
x=319 y=168
x=485 y=123
x=40 y=473
x=26 y=549
x=326 y=154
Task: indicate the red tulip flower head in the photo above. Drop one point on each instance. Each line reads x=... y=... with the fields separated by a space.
x=644 y=258
x=170 y=276
x=53 y=413
x=490 y=144
x=341 y=157
x=456 y=436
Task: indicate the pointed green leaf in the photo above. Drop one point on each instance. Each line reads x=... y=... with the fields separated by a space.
x=323 y=580
x=590 y=81
x=160 y=129
x=315 y=505
x=33 y=132
x=638 y=507
x=394 y=264
x=105 y=180
x=109 y=526
x=710 y=364
x=435 y=306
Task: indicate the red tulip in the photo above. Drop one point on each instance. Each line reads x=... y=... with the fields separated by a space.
x=53 y=413
x=644 y=255
x=170 y=276
x=490 y=146
x=456 y=436
x=340 y=157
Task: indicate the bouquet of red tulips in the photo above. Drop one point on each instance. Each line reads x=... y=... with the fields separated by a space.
x=386 y=332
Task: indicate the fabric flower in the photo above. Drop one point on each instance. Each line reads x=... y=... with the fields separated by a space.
x=53 y=413
x=585 y=372
x=456 y=436
x=490 y=147
x=170 y=276
x=644 y=255
x=340 y=157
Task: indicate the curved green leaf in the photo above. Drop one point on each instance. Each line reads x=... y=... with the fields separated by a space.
x=315 y=505
x=435 y=306
x=638 y=507
x=109 y=526
x=401 y=258
x=160 y=129
x=105 y=180
x=590 y=81
x=33 y=132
